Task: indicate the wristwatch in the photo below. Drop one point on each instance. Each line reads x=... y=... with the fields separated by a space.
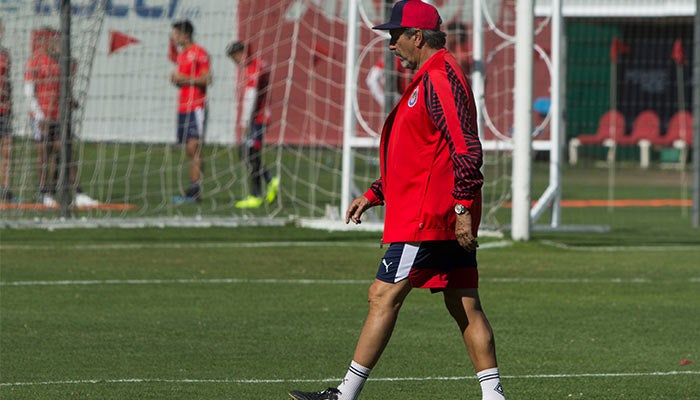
x=460 y=209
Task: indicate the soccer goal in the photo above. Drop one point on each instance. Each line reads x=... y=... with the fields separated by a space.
x=331 y=83
x=326 y=101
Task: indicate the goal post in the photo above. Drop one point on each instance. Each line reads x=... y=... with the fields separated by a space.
x=349 y=112
x=522 y=140
x=498 y=146
x=65 y=111
x=696 y=115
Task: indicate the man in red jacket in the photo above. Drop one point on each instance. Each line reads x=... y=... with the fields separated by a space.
x=430 y=182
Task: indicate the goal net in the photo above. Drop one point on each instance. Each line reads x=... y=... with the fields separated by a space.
x=124 y=126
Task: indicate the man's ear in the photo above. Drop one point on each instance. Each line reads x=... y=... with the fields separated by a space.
x=418 y=39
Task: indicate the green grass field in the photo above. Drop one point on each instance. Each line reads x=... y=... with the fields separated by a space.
x=250 y=313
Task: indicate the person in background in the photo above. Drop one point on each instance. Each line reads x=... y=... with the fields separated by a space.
x=5 y=119
x=192 y=76
x=253 y=120
x=430 y=160
x=375 y=80
x=42 y=86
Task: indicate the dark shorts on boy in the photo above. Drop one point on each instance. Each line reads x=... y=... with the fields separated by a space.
x=191 y=125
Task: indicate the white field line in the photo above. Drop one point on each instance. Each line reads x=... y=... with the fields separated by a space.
x=389 y=379
x=614 y=249
x=223 y=281
x=216 y=245
x=233 y=281
x=272 y=281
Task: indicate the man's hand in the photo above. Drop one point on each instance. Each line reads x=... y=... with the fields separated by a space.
x=178 y=79
x=356 y=208
x=463 y=231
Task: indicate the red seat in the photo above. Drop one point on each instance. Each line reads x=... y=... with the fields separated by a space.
x=646 y=126
x=680 y=127
x=610 y=126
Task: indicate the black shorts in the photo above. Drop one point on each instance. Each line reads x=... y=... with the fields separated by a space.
x=52 y=133
x=432 y=265
x=191 y=125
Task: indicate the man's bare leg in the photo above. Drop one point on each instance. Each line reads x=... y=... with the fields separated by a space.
x=193 y=153
x=465 y=308
x=385 y=301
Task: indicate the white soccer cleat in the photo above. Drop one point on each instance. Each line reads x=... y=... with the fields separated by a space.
x=83 y=200
x=49 y=201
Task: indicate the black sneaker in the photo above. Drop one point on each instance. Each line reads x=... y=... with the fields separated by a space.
x=328 y=394
x=7 y=196
x=193 y=194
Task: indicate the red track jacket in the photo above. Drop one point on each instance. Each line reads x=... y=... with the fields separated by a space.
x=430 y=156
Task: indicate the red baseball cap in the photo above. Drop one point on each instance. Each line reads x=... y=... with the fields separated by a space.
x=412 y=14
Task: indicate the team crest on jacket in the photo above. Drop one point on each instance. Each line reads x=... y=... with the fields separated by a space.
x=414 y=98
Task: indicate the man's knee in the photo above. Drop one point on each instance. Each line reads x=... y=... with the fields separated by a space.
x=193 y=147
x=462 y=302
x=387 y=295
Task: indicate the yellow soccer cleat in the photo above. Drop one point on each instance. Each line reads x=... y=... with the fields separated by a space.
x=272 y=189
x=250 y=202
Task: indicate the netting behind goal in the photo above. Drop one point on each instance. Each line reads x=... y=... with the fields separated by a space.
x=125 y=125
x=124 y=128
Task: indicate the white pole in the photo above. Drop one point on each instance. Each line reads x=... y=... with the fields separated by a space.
x=696 y=117
x=348 y=116
x=478 y=63
x=555 y=129
x=552 y=195
x=522 y=139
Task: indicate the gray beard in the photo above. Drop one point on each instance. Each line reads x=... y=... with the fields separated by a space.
x=408 y=64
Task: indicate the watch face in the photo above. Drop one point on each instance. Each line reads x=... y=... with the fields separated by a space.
x=460 y=209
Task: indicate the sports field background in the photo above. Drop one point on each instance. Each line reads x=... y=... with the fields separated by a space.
x=250 y=313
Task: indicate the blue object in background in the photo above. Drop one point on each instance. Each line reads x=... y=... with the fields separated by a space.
x=541 y=105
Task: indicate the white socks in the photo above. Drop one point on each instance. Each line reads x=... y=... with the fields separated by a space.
x=353 y=381
x=357 y=375
x=490 y=382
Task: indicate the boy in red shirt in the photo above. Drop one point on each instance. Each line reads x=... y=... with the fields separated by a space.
x=192 y=75
x=253 y=121
x=42 y=85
